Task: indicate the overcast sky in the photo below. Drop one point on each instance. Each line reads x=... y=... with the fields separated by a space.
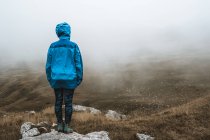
x=105 y=30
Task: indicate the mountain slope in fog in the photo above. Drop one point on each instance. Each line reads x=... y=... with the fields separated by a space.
x=150 y=86
x=24 y=90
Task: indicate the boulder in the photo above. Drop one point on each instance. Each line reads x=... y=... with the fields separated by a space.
x=80 y=108
x=54 y=135
x=114 y=115
x=144 y=137
x=26 y=127
x=94 y=111
x=102 y=135
x=31 y=131
x=32 y=112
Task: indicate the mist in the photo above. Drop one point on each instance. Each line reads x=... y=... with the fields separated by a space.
x=107 y=32
x=145 y=59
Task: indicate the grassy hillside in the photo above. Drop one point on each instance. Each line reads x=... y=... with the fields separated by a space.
x=189 y=121
x=166 y=99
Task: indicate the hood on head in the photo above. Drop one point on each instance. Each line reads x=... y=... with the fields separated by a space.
x=63 y=30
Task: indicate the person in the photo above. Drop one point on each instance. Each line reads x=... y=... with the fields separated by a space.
x=64 y=71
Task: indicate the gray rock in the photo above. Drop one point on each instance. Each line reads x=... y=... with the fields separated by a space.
x=102 y=135
x=94 y=111
x=26 y=126
x=29 y=129
x=80 y=108
x=32 y=112
x=144 y=137
x=54 y=135
x=30 y=133
x=115 y=116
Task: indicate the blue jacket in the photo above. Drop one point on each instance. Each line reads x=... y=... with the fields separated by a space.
x=64 y=67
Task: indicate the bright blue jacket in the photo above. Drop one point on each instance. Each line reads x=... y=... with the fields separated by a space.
x=64 y=67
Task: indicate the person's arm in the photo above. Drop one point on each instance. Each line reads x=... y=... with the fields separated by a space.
x=48 y=65
x=79 y=65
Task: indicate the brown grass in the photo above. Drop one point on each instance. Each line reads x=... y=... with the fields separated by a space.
x=165 y=99
x=189 y=121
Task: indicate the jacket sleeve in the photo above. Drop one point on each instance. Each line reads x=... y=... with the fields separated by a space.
x=79 y=65
x=48 y=65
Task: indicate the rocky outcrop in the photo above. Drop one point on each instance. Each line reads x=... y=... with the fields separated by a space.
x=31 y=112
x=28 y=129
x=44 y=130
x=54 y=135
x=114 y=115
x=80 y=108
x=144 y=137
x=31 y=131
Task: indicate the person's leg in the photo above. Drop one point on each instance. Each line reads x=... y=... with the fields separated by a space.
x=68 y=96
x=58 y=104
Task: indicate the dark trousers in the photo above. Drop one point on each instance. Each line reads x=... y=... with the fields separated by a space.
x=67 y=94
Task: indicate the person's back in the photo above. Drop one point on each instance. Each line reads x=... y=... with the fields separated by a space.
x=64 y=65
x=64 y=70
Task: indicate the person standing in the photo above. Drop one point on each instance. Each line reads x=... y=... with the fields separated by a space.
x=64 y=71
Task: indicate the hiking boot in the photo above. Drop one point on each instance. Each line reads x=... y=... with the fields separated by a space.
x=60 y=127
x=67 y=129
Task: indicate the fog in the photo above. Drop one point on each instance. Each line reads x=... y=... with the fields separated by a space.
x=108 y=32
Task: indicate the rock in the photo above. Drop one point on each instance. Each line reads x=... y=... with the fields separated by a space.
x=54 y=135
x=115 y=116
x=43 y=130
x=79 y=108
x=30 y=133
x=32 y=112
x=26 y=127
x=102 y=135
x=94 y=111
x=144 y=137
x=29 y=129
x=43 y=124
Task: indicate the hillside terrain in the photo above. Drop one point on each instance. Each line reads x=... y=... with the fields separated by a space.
x=165 y=99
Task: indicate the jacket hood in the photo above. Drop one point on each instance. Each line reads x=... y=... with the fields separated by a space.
x=63 y=30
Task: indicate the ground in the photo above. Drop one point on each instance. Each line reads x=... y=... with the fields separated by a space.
x=165 y=99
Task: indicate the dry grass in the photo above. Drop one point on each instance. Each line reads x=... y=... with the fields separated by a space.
x=189 y=121
x=168 y=100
